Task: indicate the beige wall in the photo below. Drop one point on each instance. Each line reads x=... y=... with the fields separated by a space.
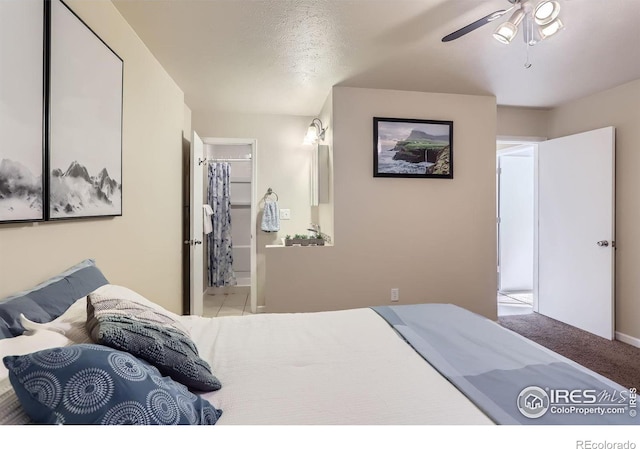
x=619 y=107
x=434 y=239
x=283 y=164
x=141 y=249
x=522 y=122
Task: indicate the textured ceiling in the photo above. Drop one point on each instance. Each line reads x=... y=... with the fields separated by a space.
x=283 y=56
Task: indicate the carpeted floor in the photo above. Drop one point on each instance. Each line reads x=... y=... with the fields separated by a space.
x=618 y=361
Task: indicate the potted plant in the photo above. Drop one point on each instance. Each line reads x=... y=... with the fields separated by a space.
x=295 y=240
x=318 y=240
x=303 y=240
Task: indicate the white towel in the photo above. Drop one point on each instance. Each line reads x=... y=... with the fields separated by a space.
x=271 y=217
x=207 y=225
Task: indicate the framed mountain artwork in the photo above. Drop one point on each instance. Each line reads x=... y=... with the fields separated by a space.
x=410 y=148
x=21 y=111
x=85 y=121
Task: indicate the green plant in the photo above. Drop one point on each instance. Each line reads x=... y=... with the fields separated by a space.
x=287 y=237
x=298 y=236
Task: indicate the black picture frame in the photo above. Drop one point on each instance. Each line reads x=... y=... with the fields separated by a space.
x=22 y=162
x=84 y=122
x=412 y=148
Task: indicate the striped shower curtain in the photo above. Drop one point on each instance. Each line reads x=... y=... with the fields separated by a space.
x=220 y=246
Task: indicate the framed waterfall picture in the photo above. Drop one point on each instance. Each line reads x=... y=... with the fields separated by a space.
x=21 y=100
x=85 y=121
x=410 y=148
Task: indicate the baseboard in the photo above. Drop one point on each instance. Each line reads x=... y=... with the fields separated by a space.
x=261 y=309
x=628 y=339
x=227 y=290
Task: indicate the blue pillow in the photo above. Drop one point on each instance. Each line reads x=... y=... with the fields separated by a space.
x=94 y=384
x=168 y=349
x=50 y=299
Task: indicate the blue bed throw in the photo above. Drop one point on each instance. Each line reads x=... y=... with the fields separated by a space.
x=513 y=380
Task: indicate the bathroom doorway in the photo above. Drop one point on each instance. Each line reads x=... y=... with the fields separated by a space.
x=228 y=287
x=224 y=298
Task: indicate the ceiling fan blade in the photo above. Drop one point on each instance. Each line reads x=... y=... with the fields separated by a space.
x=475 y=25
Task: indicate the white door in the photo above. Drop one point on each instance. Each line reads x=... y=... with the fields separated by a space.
x=196 y=237
x=516 y=223
x=576 y=180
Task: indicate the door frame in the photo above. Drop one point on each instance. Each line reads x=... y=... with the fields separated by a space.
x=254 y=210
x=519 y=144
x=186 y=224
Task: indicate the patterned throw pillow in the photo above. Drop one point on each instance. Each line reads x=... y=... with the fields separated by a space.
x=93 y=384
x=129 y=304
x=158 y=342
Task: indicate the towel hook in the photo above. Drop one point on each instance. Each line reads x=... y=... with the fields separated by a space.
x=271 y=192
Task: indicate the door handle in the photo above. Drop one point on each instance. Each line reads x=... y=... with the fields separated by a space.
x=603 y=243
x=199 y=242
x=193 y=242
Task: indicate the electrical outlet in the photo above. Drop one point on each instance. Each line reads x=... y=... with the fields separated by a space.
x=395 y=294
x=285 y=214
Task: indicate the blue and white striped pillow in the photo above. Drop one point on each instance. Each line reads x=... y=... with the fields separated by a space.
x=50 y=299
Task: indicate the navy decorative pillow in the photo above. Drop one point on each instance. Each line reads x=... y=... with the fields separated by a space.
x=93 y=384
x=161 y=344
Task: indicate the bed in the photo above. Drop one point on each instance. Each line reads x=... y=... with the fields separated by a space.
x=412 y=364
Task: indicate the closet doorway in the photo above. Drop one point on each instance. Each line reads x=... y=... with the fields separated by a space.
x=516 y=228
x=223 y=201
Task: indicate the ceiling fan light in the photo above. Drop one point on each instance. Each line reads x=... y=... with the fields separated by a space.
x=505 y=32
x=546 y=12
x=516 y=17
x=508 y=30
x=551 y=28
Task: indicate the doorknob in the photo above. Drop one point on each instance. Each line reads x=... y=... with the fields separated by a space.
x=199 y=242
x=603 y=243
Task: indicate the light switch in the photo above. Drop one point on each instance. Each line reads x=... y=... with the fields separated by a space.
x=285 y=214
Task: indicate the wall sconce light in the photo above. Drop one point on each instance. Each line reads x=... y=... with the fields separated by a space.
x=315 y=132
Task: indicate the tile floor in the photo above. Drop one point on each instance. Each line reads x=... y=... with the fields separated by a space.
x=228 y=302
x=516 y=298
x=515 y=304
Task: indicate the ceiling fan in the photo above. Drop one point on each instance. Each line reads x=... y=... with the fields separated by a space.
x=539 y=19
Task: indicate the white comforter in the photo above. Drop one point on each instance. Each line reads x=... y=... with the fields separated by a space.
x=343 y=367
